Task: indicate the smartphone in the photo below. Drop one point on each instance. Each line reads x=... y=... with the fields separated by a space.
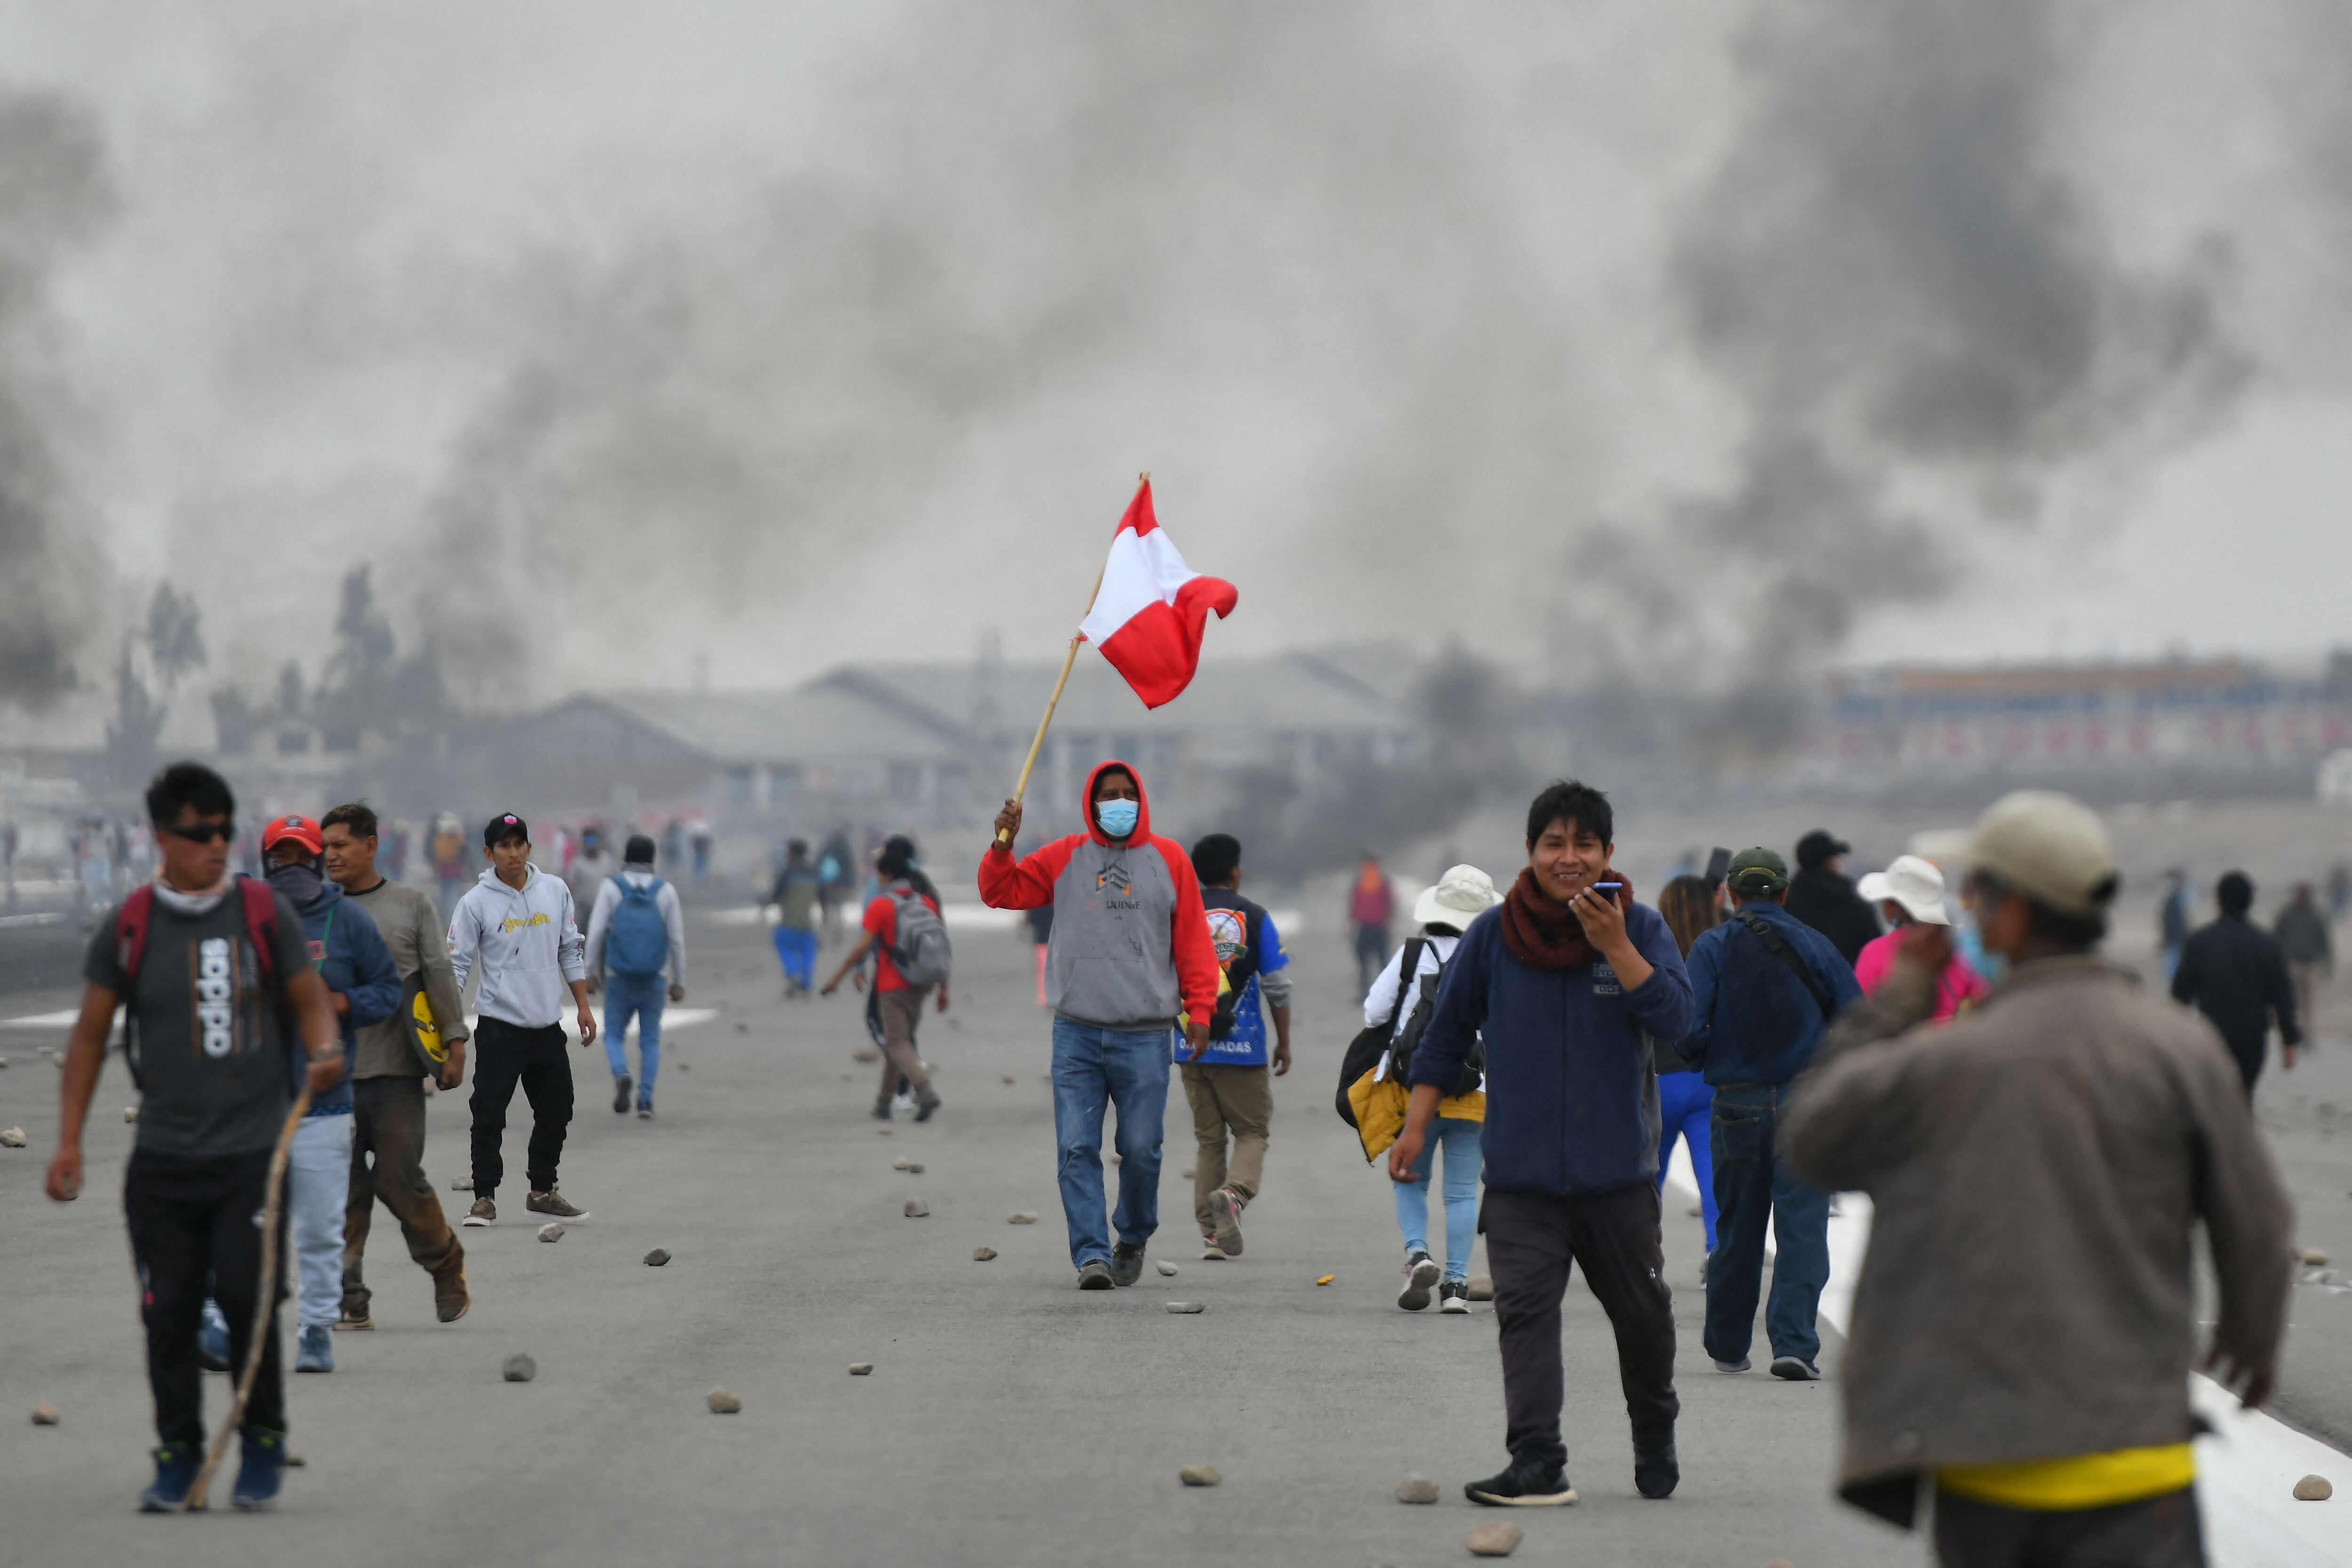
x=1718 y=866
x=1607 y=886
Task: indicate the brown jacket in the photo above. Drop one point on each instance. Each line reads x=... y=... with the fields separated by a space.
x=411 y=928
x=2038 y=1167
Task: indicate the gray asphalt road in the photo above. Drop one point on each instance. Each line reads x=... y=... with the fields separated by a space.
x=1009 y=1419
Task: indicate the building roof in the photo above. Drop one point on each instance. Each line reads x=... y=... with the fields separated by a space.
x=802 y=725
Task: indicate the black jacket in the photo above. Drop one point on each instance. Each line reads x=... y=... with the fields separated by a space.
x=1826 y=901
x=2234 y=973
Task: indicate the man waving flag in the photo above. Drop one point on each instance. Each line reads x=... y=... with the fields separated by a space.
x=1149 y=613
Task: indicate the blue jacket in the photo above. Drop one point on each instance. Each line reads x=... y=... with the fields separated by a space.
x=1571 y=1094
x=351 y=957
x=1756 y=1021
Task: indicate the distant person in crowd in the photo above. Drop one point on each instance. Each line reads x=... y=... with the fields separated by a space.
x=212 y=971
x=1040 y=940
x=1764 y=987
x=517 y=926
x=1129 y=951
x=699 y=837
x=2339 y=890
x=1565 y=984
x=2233 y=972
x=2303 y=939
x=2172 y=921
x=1402 y=998
x=673 y=841
x=450 y=865
x=796 y=895
x=2034 y=1370
x=1823 y=896
x=1228 y=1076
x=395 y=856
x=1691 y=908
x=391 y=1060
x=591 y=868
x=891 y=916
x=1910 y=892
x=1372 y=906
x=364 y=987
x=836 y=873
x=635 y=932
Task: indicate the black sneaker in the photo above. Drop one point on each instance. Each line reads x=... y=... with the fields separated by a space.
x=621 y=1087
x=260 y=1467
x=1453 y=1296
x=1796 y=1369
x=925 y=1103
x=1094 y=1275
x=176 y=1465
x=1655 y=1469
x=1529 y=1483
x=1125 y=1264
x=881 y=1111
x=1421 y=1272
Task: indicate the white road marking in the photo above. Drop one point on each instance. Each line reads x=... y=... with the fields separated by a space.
x=2245 y=1472
x=43 y=1020
x=673 y=1018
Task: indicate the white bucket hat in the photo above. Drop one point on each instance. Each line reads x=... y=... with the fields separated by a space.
x=1914 y=883
x=1461 y=895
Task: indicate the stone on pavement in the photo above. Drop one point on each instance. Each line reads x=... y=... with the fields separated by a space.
x=900 y=1163
x=1010 y=1079
x=1416 y=1488
x=12 y=1137
x=657 y=1257
x=1482 y=1288
x=1025 y=1216
x=521 y=1369
x=865 y=1053
x=917 y=1208
x=1496 y=1539
x=463 y=1184
x=131 y=1112
x=861 y=1369
x=552 y=1231
x=1199 y=1475
x=44 y=1415
x=723 y=1402
x=1185 y=1309
x=915 y=1167
x=2314 y=1258
x=983 y=1254
x=2311 y=1489
x=1166 y=1268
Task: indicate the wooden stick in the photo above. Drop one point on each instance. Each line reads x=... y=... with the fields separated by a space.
x=266 y=1314
x=1068 y=659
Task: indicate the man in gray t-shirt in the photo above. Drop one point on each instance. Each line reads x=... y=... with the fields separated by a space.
x=214 y=973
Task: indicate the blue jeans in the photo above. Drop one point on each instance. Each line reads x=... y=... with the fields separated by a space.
x=318 y=1186
x=1753 y=1183
x=796 y=951
x=1093 y=1067
x=1459 y=1138
x=1685 y=1107
x=643 y=996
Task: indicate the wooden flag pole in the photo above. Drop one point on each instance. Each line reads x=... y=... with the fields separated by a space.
x=1068 y=659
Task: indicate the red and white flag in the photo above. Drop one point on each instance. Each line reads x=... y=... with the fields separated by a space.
x=1148 y=613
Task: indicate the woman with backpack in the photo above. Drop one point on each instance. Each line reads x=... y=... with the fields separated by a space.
x=909 y=941
x=1397 y=1009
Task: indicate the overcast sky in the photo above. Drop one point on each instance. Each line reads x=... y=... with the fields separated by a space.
x=627 y=341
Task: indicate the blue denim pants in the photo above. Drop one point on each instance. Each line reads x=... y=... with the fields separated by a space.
x=1458 y=1137
x=640 y=996
x=1752 y=1184
x=1095 y=1068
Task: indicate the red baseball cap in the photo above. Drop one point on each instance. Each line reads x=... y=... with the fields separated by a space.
x=302 y=829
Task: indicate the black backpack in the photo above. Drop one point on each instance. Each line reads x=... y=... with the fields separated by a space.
x=1371 y=1043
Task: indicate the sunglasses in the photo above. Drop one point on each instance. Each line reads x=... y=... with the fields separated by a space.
x=203 y=833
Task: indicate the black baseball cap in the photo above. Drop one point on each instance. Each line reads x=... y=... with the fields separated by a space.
x=1820 y=847
x=504 y=827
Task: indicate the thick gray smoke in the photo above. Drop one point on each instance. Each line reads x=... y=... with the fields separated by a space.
x=54 y=195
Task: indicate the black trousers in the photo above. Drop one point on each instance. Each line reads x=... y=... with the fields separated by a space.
x=1532 y=1238
x=506 y=1055
x=2154 y=1532
x=193 y=1231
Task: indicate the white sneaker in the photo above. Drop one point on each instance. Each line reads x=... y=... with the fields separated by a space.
x=904 y=1104
x=1453 y=1296
x=1421 y=1272
x=1209 y=1251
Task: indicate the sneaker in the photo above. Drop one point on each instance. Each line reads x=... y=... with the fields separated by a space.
x=451 y=1298
x=1094 y=1275
x=1796 y=1369
x=881 y=1111
x=1225 y=1212
x=553 y=1205
x=621 y=1087
x=1528 y=1483
x=353 y=1319
x=644 y=1110
x=176 y=1465
x=1125 y=1264
x=484 y=1212
x=316 y=1349
x=925 y=1103
x=1421 y=1271
x=1453 y=1296
x=260 y=1466
x=1739 y=1365
x=212 y=1339
x=1209 y=1251
x=1656 y=1471
x=903 y=1102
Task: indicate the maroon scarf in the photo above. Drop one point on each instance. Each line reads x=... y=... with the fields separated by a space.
x=1547 y=936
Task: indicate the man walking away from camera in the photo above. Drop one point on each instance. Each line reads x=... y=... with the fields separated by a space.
x=1823 y=896
x=635 y=929
x=2233 y=972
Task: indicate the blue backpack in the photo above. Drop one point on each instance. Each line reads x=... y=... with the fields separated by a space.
x=636 y=944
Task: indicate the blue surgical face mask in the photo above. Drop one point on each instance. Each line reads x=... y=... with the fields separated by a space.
x=1969 y=939
x=1118 y=818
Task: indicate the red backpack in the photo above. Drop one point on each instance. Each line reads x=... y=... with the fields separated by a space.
x=138 y=914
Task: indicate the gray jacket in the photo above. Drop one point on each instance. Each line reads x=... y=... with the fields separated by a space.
x=412 y=929
x=2039 y=1167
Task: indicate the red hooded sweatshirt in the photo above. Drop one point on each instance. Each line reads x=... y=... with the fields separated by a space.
x=1130 y=944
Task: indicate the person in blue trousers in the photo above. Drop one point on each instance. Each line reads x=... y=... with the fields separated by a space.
x=1686 y=1101
x=1764 y=987
x=635 y=932
x=796 y=895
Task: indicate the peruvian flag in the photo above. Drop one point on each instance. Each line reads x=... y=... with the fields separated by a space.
x=1147 y=615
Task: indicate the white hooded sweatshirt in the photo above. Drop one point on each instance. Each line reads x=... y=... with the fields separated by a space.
x=528 y=944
